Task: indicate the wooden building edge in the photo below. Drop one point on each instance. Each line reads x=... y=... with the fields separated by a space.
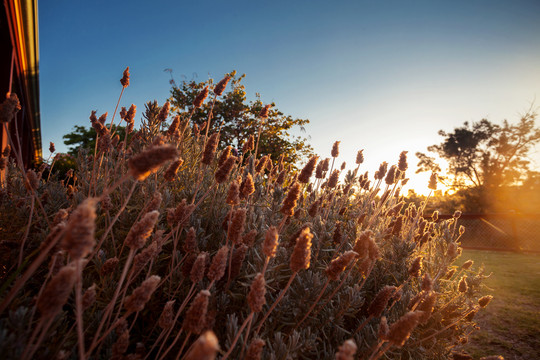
x=19 y=74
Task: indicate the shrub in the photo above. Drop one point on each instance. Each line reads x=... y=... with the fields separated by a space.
x=147 y=251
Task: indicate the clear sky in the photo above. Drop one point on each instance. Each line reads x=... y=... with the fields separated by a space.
x=383 y=76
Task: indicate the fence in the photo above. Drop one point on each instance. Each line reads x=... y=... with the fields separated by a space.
x=508 y=232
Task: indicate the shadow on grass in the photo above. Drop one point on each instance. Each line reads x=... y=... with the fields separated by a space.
x=510 y=325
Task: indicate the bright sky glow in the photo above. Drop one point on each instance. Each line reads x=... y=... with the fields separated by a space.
x=380 y=76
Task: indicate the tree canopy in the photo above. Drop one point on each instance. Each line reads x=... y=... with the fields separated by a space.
x=239 y=119
x=85 y=138
x=485 y=154
x=484 y=158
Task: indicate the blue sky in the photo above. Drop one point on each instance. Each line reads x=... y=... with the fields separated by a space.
x=384 y=76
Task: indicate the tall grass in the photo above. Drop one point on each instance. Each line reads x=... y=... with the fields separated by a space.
x=161 y=245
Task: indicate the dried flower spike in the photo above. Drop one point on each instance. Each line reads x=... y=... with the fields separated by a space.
x=378 y=304
x=256 y=299
x=383 y=329
x=170 y=174
x=78 y=238
x=462 y=286
x=219 y=263
x=485 y=300
x=427 y=283
x=183 y=212
x=270 y=242
x=140 y=296
x=319 y=174
x=102 y=119
x=237 y=259
x=9 y=108
x=190 y=243
x=360 y=157
x=333 y=180
x=361 y=246
x=338 y=234
x=233 y=195
x=379 y=174
x=338 y=265
x=249 y=144
x=109 y=266
x=164 y=112
x=237 y=225
x=452 y=250
x=199 y=99
x=204 y=348
x=220 y=86
x=199 y=266
x=249 y=238
x=347 y=350
x=450 y=273
x=401 y=330
x=402 y=163
x=166 y=320
x=254 y=350
x=247 y=187
x=265 y=111
x=281 y=177
x=289 y=203
x=141 y=230
x=33 y=180
x=89 y=297
x=57 y=292
x=416 y=266
x=174 y=126
x=335 y=149
x=467 y=264
x=123 y=112
x=433 y=182
x=308 y=169
x=130 y=115
x=224 y=155
x=461 y=356
x=195 y=316
x=210 y=149
x=224 y=170
x=125 y=79
x=314 y=208
x=150 y=160
x=301 y=254
x=391 y=175
x=426 y=307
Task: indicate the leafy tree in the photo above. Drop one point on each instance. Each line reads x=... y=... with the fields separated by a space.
x=85 y=138
x=484 y=154
x=484 y=157
x=239 y=119
x=80 y=137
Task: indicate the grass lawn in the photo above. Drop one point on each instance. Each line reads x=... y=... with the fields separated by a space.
x=510 y=325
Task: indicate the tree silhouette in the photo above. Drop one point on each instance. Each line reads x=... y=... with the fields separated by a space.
x=485 y=161
x=483 y=154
